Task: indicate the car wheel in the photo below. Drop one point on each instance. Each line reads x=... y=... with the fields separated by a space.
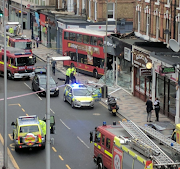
x=72 y=104
x=100 y=164
x=13 y=135
x=64 y=98
x=16 y=149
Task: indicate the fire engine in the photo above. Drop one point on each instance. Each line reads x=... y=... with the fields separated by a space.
x=127 y=146
x=19 y=63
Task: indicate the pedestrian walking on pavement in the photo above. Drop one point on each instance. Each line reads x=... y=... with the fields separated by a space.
x=37 y=41
x=157 y=108
x=68 y=72
x=149 y=108
x=54 y=63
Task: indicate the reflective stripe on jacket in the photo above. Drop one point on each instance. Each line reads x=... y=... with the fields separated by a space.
x=43 y=126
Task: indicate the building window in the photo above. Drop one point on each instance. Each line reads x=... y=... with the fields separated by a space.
x=110 y=11
x=168 y=2
x=167 y=27
x=89 y=10
x=157 y=27
x=139 y=21
x=147 y=24
x=157 y=3
x=95 y=11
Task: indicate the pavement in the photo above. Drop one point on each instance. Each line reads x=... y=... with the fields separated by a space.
x=130 y=107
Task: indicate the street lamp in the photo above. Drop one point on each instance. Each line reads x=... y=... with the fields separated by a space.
x=48 y=140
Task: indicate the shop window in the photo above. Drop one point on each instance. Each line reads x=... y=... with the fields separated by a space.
x=86 y=39
x=72 y=36
x=66 y=35
x=100 y=42
x=93 y=40
x=79 y=37
x=108 y=143
x=172 y=98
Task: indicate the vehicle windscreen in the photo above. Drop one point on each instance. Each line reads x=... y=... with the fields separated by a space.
x=43 y=81
x=81 y=92
x=23 y=45
x=24 y=61
x=29 y=129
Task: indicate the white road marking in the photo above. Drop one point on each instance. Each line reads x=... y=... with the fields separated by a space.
x=52 y=111
x=27 y=85
x=64 y=124
x=38 y=96
x=82 y=142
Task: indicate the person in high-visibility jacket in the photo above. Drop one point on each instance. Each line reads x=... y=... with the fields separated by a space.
x=73 y=73
x=68 y=73
x=11 y=30
x=43 y=126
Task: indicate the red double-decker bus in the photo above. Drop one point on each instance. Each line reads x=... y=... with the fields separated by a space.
x=85 y=47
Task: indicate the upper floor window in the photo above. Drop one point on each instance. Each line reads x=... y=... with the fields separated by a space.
x=168 y=4
x=111 y=8
x=157 y=2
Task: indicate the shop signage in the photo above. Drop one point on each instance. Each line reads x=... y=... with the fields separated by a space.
x=42 y=19
x=141 y=59
x=37 y=18
x=145 y=72
x=51 y=23
x=61 y=25
x=127 y=54
x=166 y=70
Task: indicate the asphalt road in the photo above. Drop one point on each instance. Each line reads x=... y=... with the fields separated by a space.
x=71 y=149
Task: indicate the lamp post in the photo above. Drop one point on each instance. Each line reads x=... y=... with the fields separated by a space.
x=5 y=161
x=48 y=140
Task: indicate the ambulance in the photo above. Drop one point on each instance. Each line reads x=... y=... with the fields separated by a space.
x=126 y=146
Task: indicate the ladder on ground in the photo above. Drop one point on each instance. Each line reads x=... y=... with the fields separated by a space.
x=161 y=138
x=137 y=133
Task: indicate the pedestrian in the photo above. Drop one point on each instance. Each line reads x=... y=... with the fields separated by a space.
x=54 y=63
x=15 y=29
x=157 y=108
x=11 y=30
x=68 y=72
x=37 y=41
x=7 y=28
x=149 y=108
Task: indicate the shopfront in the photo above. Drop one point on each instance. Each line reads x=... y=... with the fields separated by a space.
x=15 y=15
x=36 y=25
x=142 y=83
x=52 y=33
x=43 y=25
x=61 y=26
x=165 y=89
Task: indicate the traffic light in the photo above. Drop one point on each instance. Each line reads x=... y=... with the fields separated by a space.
x=1 y=13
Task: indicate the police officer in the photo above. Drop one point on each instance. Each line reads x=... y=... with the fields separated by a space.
x=68 y=72
x=73 y=73
x=43 y=126
x=11 y=30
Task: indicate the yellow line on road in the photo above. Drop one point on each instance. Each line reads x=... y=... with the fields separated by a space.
x=9 y=154
x=19 y=105
x=68 y=166
x=23 y=110
x=27 y=114
x=12 y=145
x=12 y=159
x=54 y=149
x=10 y=136
x=61 y=158
x=13 y=104
x=103 y=104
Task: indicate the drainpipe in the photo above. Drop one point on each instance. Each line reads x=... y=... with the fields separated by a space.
x=174 y=19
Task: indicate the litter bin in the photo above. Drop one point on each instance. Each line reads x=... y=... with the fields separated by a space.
x=103 y=88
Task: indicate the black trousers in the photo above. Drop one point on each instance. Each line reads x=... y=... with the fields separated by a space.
x=67 y=80
x=157 y=114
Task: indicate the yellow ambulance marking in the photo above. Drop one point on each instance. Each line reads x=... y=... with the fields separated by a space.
x=23 y=110
x=61 y=158
x=10 y=136
x=54 y=149
x=68 y=166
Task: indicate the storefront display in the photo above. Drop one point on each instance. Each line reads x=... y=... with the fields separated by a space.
x=52 y=33
x=36 y=25
x=43 y=21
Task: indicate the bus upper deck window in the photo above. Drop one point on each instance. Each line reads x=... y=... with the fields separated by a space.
x=72 y=36
x=93 y=40
x=86 y=39
x=66 y=35
x=79 y=37
x=100 y=42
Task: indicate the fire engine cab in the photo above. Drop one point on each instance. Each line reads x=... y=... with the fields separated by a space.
x=126 y=146
x=19 y=63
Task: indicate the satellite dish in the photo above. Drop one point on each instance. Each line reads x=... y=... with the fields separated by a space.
x=174 y=45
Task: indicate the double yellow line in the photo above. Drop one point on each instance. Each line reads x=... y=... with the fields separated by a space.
x=9 y=154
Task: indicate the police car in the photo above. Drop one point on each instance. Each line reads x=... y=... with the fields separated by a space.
x=27 y=133
x=79 y=95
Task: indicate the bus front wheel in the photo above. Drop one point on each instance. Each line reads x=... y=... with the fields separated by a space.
x=95 y=73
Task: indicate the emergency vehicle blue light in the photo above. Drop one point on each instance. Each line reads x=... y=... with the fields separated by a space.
x=104 y=123
x=75 y=85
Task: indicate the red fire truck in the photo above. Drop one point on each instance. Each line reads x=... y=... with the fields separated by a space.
x=126 y=146
x=19 y=63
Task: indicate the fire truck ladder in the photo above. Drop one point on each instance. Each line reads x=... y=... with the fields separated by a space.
x=137 y=133
x=161 y=138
